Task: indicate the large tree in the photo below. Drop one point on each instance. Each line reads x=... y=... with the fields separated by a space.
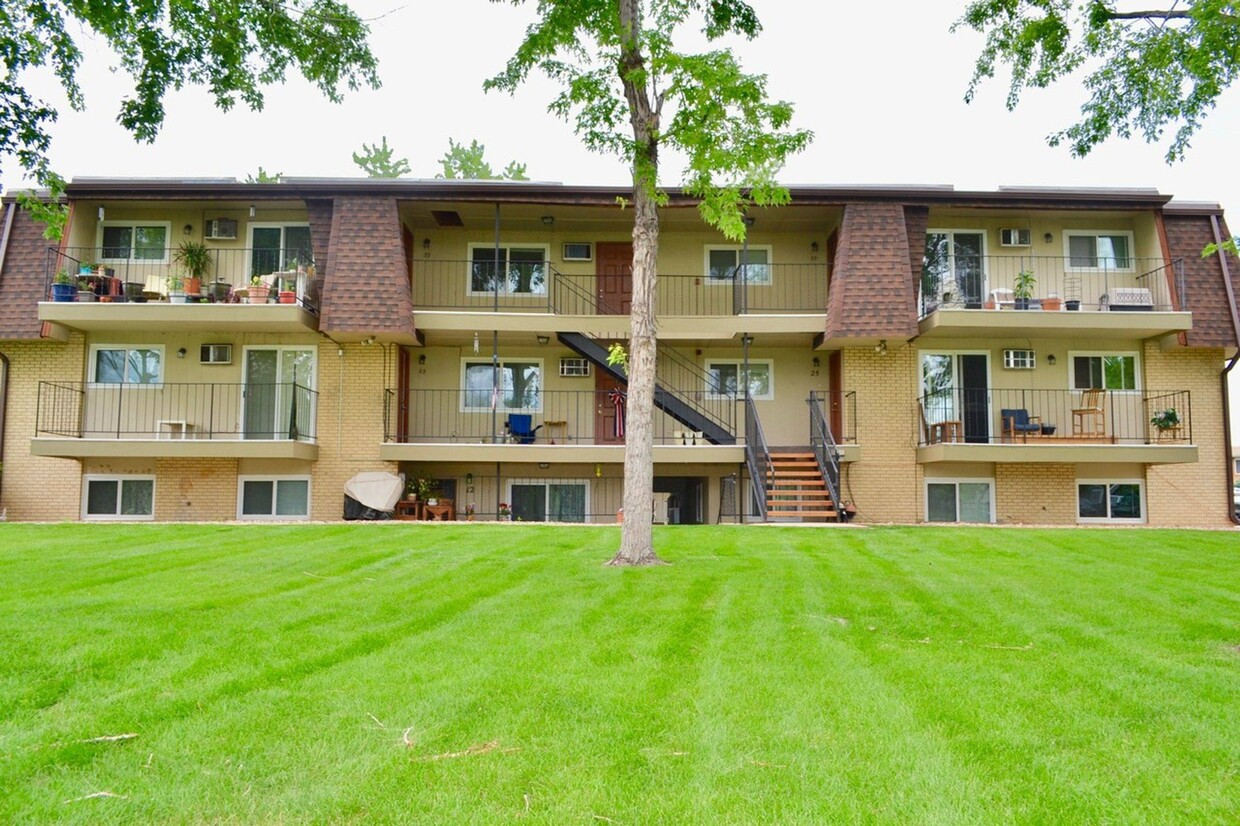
x=232 y=47
x=1145 y=69
x=630 y=91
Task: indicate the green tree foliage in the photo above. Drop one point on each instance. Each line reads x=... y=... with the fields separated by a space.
x=468 y=162
x=629 y=91
x=1144 y=71
x=232 y=47
x=377 y=162
x=264 y=177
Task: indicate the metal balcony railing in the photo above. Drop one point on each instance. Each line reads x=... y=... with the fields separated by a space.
x=1086 y=417
x=90 y=410
x=838 y=409
x=978 y=282
x=562 y=417
x=153 y=275
x=537 y=287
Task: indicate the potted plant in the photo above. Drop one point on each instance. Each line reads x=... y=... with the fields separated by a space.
x=86 y=290
x=64 y=286
x=259 y=290
x=176 y=289
x=196 y=259
x=219 y=291
x=288 y=297
x=86 y=269
x=505 y=512
x=133 y=291
x=1022 y=289
x=1165 y=420
x=469 y=512
x=1052 y=302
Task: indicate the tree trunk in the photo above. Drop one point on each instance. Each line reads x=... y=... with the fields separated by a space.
x=637 y=534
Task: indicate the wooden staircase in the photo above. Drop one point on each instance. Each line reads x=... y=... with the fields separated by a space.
x=795 y=488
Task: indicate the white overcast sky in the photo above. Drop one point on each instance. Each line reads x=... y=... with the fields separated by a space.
x=881 y=85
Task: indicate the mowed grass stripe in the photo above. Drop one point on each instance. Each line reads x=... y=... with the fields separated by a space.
x=274 y=673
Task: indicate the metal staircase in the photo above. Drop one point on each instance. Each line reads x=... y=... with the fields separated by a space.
x=693 y=413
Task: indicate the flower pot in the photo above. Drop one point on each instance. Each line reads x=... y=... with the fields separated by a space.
x=193 y=286
x=86 y=269
x=505 y=517
x=219 y=291
x=1021 y=303
x=288 y=297
x=133 y=290
x=1052 y=304
x=177 y=297
x=432 y=502
x=1072 y=305
x=258 y=295
x=64 y=292
x=86 y=296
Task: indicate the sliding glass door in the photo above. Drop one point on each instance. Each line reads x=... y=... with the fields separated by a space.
x=278 y=399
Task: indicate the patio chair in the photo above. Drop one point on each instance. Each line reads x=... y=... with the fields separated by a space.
x=520 y=428
x=1002 y=298
x=1018 y=422
x=1089 y=417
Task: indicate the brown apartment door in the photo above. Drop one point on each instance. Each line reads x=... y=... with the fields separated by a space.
x=609 y=406
x=613 y=269
x=835 y=412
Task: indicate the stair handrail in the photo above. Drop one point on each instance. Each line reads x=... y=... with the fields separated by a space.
x=725 y=416
x=588 y=300
x=826 y=452
x=757 y=455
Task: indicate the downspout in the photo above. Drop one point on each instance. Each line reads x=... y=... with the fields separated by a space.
x=5 y=367
x=1235 y=326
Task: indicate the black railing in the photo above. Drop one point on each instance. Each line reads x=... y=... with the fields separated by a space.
x=537 y=287
x=572 y=417
x=156 y=277
x=1008 y=416
x=826 y=452
x=1006 y=282
x=757 y=457
x=678 y=372
x=90 y=410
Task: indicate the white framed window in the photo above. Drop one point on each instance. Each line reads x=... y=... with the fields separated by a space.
x=1105 y=371
x=523 y=269
x=134 y=241
x=1110 y=500
x=721 y=263
x=549 y=500
x=118 y=498
x=960 y=500
x=127 y=364
x=279 y=247
x=273 y=497
x=724 y=378
x=520 y=385
x=1098 y=250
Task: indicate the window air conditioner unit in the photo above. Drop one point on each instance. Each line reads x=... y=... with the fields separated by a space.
x=573 y=366
x=1014 y=237
x=215 y=354
x=578 y=251
x=222 y=229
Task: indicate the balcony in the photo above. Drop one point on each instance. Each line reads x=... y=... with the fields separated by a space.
x=1063 y=426
x=548 y=425
x=253 y=420
x=149 y=292
x=774 y=298
x=1120 y=298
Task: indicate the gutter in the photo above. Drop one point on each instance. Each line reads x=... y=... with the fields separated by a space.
x=1235 y=326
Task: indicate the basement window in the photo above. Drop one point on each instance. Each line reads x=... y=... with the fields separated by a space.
x=961 y=500
x=118 y=498
x=273 y=497
x=1119 y=500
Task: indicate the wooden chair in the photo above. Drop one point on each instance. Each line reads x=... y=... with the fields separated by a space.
x=1089 y=418
x=950 y=430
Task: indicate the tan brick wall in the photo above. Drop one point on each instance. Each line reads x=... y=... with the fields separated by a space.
x=195 y=490
x=350 y=420
x=1035 y=494
x=886 y=485
x=37 y=487
x=1192 y=494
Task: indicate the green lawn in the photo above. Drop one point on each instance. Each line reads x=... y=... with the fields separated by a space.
x=488 y=673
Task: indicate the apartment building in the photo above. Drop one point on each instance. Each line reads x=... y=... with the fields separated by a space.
x=1037 y=356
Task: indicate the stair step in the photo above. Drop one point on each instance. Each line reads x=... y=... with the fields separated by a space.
x=777 y=514
x=793 y=456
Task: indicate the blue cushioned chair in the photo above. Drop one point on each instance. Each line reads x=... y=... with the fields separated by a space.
x=520 y=428
x=1017 y=421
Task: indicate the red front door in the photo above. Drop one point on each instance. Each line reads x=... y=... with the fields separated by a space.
x=613 y=269
x=606 y=410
